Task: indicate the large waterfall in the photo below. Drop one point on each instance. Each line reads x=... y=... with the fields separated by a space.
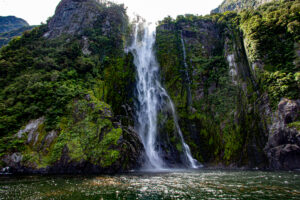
x=150 y=94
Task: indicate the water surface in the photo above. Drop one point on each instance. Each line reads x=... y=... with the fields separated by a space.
x=203 y=184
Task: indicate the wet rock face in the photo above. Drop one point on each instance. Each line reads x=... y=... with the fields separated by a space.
x=283 y=146
x=31 y=130
x=208 y=34
x=13 y=160
x=72 y=17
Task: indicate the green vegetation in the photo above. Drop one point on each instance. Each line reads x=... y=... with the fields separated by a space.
x=40 y=77
x=224 y=121
x=8 y=36
x=88 y=133
x=271 y=33
x=295 y=125
x=239 y=5
x=280 y=84
x=10 y=23
x=81 y=96
x=233 y=60
x=10 y=144
x=11 y=27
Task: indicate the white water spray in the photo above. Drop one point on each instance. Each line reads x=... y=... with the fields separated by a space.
x=147 y=73
x=184 y=59
x=193 y=163
x=149 y=92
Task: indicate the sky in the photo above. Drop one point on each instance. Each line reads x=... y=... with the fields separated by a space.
x=37 y=11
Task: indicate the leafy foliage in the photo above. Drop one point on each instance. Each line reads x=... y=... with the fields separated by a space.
x=79 y=93
x=88 y=133
x=39 y=77
x=270 y=33
x=8 y=36
x=223 y=121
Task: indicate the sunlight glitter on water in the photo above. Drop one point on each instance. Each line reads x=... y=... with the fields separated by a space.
x=205 y=184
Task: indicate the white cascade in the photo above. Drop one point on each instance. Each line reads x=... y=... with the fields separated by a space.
x=149 y=94
x=193 y=163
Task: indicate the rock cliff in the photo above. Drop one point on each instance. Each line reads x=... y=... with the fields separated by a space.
x=239 y=114
x=67 y=98
x=283 y=146
x=74 y=88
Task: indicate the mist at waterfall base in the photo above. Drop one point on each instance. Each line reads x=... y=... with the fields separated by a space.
x=153 y=99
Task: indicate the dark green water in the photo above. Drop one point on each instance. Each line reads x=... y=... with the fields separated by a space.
x=205 y=184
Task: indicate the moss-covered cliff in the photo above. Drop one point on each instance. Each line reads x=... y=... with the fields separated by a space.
x=67 y=92
x=239 y=67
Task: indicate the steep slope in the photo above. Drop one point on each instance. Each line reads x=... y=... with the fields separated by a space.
x=237 y=91
x=66 y=94
x=67 y=90
x=11 y=23
x=239 y=5
x=11 y=27
x=8 y=36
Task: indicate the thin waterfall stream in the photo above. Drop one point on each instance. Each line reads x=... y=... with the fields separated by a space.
x=149 y=95
x=187 y=77
x=192 y=163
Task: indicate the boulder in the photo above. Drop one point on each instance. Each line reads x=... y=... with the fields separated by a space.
x=285 y=157
x=289 y=110
x=283 y=143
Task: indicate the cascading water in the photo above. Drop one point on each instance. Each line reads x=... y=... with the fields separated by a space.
x=147 y=74
x=192 y=163
x=187 y=77
x=149 y=95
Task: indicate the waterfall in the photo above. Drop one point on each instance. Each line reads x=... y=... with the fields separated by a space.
x=147 y=89
x=149 y=95
x=187 y=77
x=193 y=163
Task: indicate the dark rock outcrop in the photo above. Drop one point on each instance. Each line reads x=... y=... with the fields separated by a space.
x=283 y=143
x=73 y=17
